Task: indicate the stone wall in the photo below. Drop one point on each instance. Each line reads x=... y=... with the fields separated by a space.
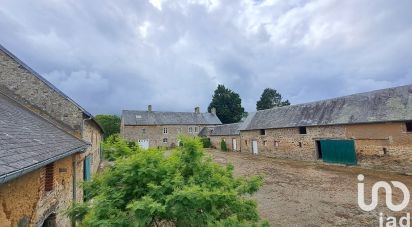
x=24 y=87
x=216 y=140
x=384 y=145
x=21 y=85
x=155 y=134
x=24 y=201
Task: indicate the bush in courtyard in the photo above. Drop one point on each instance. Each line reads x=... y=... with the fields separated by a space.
x=115 y=147
x=206 y=142
x=223 y=145
x=184 y=188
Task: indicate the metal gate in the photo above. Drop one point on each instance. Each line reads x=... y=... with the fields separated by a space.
x=338 y=151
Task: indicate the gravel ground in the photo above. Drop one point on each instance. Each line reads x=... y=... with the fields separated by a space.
x=297 y=193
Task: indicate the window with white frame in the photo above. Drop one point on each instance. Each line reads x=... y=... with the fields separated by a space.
x=190 y=129
x=196 y=128
x=164 y=130
x=164 y=140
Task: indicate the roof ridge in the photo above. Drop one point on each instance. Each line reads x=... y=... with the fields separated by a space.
x=336 y=98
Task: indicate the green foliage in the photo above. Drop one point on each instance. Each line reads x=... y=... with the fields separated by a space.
x=270 y=98
x=184 y=188
x=206 y=142
x=115 y=147
x=223 y=145
x=228 y=105
x=109 y=123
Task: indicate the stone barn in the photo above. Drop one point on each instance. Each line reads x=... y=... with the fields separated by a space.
x=372 y=129
x=161 y=129
x=48 y=145
x=228 y=133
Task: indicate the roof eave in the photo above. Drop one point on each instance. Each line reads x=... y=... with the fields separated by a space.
x=13 y=175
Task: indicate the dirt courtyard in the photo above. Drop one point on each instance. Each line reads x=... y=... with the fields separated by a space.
x=297 y=193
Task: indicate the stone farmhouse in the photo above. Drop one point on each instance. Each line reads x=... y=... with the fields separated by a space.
x=48 y=146
x=161 y=129
x=370 y=129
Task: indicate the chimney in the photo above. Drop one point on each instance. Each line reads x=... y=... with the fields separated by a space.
x=149 y=108
x=197 y=110
x=213 y=110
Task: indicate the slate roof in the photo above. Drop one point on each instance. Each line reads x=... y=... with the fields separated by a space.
x=133 y=117
x=226 y=130
x=386 y=105
x=28 y=142
x=34 y=73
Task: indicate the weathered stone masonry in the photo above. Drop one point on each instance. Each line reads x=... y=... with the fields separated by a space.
x=25 y=86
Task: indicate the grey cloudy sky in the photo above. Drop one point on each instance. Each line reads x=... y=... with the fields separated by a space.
x=112 y=55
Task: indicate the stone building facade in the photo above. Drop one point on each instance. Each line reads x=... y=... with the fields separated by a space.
x=20 y=83
x=161 y=129
x=228 y=133
x=379 y=123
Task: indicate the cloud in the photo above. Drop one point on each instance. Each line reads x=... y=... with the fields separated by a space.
x=110 y=56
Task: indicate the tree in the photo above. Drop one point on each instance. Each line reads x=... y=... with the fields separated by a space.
x=109 y=123
x=228 y=105
x=270 y=98
x=184 y=188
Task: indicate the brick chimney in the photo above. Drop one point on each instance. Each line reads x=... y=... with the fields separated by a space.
x=213 y=110
x=149 y=108
x=197 y=110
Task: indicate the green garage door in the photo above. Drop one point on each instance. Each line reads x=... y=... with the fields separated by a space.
x=338 y=151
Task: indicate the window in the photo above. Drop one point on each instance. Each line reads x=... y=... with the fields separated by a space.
x=262 y=132
x=264 y=143
x=276 y=144
x=164 y=140
x=49 y=177
x=408 y=126
x=196 y=129
x=143 y=130
x=190 y=129
x=164 y=130
x=302 y=130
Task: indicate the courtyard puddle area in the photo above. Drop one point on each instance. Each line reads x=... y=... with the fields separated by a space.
x=299 y=193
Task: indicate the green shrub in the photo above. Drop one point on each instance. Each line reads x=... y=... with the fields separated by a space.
x=206 y=142
x=115 y=147
x=223 y=145
x=185 y=188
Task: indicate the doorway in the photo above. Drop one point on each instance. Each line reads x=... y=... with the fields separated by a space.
x=318 y=150
x=50 y=221
x=254 y=147
x=338 y=151
x=234 y=145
